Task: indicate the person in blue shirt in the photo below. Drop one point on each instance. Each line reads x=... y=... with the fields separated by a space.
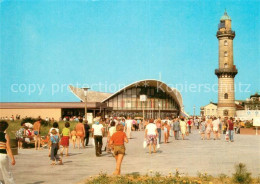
x=55 y=141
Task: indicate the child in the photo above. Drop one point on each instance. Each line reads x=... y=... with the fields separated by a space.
x=55 y=126
x=20 y=134
x=45 y=141
x=165 y=130
x=168 y=131
x=65 y=139
x=5 y=150
x=73 y=137
x=55 y=147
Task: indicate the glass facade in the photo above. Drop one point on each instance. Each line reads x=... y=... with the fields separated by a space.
x=128 y=101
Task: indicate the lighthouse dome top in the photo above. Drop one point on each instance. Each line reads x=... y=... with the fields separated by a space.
x=225 y=17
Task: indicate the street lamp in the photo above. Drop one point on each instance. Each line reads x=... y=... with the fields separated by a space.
x=85 y=94
x=160 y=110
x=143 y=98
x=194 y=107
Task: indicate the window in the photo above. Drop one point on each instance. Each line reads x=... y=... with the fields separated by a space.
x=225 y=65
x=225 y=43
x=225 y=112
x=225 y=54
x=226 y=96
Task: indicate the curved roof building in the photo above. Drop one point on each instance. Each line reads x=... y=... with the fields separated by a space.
x=161 y=99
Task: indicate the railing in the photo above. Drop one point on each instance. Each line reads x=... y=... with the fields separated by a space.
x=226 y=32
x=226 y=70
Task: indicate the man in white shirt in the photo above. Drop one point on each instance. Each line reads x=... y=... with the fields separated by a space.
x=151 y=135
x=128 y=126
x=98 y=131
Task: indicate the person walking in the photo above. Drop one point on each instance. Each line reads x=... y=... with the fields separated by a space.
x=56 y=127
x=165 y=132
x=87 y=129
x=208 y=128
x=183 y=126
x=80 y=133
x=128 y=126
x=111 y=131
x=20 y=135
x=36 y=133
x=117 y=140
x=225 y=125
x=189 y=125
x=215 y=125
x=5 y=151
x=65 y=140
x=159 y=129
x=196 y=122
x=231 y=129
x=98 y=132
x=176 y=128
x=220 y=126
x=151 y=135
x=202 y=128
x=55 y=141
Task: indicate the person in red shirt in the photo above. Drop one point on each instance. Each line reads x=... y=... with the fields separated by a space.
x=117 y=141
x=231 y=129
x=189 y=125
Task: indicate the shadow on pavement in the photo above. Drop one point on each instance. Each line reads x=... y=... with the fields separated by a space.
x=37 y=182
x=73 y=154
x=67 y=162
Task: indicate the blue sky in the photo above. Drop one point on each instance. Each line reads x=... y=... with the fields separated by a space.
x=50 y=44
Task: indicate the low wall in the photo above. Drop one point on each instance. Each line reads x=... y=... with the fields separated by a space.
x=51 y=113
x=249 y=131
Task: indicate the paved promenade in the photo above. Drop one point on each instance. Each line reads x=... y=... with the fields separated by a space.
x=189 y=156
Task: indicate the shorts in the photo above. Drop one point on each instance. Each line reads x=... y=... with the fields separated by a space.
x=65 y=141
x=35 y=132
x=119 y=149
x=151 y=139
x=215 y=129
x=80 y=134
x=202 y=131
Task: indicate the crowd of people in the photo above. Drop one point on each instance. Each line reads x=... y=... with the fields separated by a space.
x=118 y=132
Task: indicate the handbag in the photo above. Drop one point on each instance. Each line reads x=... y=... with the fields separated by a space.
x=144 y=144
x=158 y=145
x=227 y=137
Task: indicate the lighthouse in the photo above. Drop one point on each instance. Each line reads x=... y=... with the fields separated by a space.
x=226 y=71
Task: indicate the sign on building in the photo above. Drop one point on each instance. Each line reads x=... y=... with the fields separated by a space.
x=256 y=121
x=143 y=98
